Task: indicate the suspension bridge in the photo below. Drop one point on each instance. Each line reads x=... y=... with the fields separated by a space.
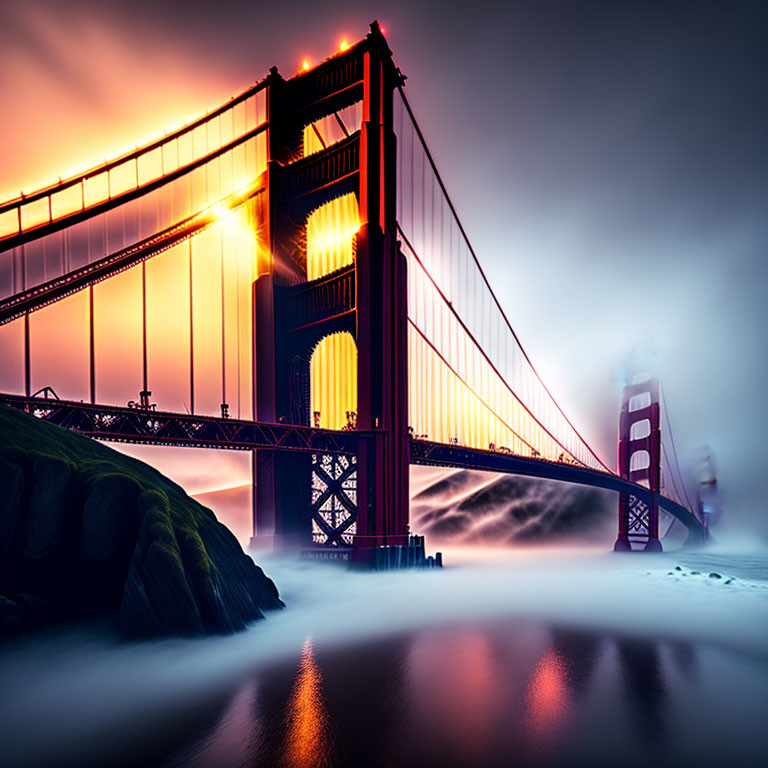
x=287 y=275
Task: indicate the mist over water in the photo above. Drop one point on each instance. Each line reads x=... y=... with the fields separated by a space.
x=476 y=508
x=76 y=697
x=486 y=509
x=535 y=642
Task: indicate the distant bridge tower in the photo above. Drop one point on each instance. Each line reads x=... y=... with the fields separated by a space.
x=708 y=499
x=300 y=497
x=640 y=462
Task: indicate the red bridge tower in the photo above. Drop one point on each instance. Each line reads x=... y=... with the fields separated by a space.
x=640 y=462
x=360 y=499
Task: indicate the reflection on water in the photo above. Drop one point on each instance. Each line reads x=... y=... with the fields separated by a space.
x=307 y=743
x=646 y=690
x=489 y=695
x=454 y=680
x=547 y=700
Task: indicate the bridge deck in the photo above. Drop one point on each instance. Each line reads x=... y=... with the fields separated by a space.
x=149 y=427
x=441 y=455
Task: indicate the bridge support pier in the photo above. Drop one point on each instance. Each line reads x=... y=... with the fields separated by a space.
x=654 y=543
x=280 y=503
x=642 y=519
x=622 y=541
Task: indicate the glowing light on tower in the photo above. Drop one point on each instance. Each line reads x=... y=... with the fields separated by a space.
x=330 y=236
x=331 y=233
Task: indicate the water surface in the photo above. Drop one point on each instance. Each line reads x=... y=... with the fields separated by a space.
x=497 y=694
x=523 y=659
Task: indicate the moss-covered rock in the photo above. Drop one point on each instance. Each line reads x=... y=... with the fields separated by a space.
x=86 y=530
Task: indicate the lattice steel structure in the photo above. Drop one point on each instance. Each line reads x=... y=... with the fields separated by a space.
x=334 y=499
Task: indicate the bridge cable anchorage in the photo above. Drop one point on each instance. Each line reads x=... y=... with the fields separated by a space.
x=465 y=237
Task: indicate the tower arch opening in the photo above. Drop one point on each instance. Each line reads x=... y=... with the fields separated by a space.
x=331 y=235
x=639 y=460
x=640 y=429
x=333 y=382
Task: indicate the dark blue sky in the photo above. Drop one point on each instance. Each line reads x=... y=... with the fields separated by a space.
x=609 y=161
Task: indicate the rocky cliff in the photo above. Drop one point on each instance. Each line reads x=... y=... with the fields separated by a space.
x=87 y=531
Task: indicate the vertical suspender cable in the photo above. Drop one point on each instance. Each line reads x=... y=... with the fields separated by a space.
x=144 y=324
x=27 y=362
x=92 y=347
x=91 y=327
x=237 y=306
x=64 y=248
x=223 y=324
x=413 y=196
x=475 y=316
x=400 y=162
x=191 y=336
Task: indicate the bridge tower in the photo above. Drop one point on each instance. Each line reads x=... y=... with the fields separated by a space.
x=363 y=498
x=708 y=501
x=639 y=455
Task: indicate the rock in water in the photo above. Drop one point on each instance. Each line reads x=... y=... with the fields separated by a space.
x=87 y=531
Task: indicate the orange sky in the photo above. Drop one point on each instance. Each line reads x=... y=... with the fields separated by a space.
x=75 y=81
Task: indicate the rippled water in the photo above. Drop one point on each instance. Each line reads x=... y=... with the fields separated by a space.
x=408 y=670
x=494 y=695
